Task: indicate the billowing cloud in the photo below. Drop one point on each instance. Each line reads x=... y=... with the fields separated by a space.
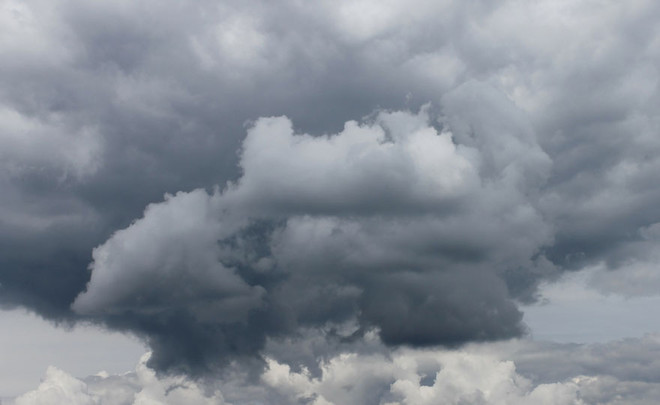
x=513 y=372
x=415 y=168
x=58 y=387
x=388 y=222
x=140 y=387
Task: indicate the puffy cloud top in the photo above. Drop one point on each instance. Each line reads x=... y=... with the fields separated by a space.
x=516 y=372
x=388 y=223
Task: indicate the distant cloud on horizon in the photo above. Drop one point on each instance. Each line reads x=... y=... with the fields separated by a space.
x=512 y=372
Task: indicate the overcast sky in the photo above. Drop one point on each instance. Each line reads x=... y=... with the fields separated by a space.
x=330 y=202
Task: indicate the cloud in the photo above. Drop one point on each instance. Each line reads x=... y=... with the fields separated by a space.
x=58 y=387
x=348 y=202
x=168 y=253
x=388 y=221
x=419 y=377
x=400 y=161
x=140 y=387
x=512 y=372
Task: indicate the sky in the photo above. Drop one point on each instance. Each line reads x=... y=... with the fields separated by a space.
x=329 y=202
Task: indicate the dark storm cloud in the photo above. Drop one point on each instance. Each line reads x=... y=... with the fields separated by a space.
x=536 y=154
x=424 y=267
x=107 y=106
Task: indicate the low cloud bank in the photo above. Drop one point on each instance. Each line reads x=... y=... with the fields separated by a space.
x=512 y=372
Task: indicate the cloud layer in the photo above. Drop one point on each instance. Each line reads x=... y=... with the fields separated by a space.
x=513 y=372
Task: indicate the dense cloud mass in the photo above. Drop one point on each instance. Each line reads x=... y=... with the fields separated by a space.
x=411 y=169
x=513 y=372
x=388 y=223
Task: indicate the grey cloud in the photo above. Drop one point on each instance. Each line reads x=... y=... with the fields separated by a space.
x=165 y=91
x=537 y=155
x=430 y=309
x=168 y=253
x=638 y=258
x=632 y=359
x=328 y=249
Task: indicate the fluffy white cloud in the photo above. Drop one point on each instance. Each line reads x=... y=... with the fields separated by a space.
x=141 y=387
x=418 y=377
x=516 y=372
x=58 y=387
x=399 y=160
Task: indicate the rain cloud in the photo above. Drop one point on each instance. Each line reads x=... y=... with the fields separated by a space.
x=387 y=224
x=409 y=169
